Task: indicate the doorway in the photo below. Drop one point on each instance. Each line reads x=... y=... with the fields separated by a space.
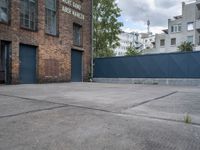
x=27 y=57
x=4 y=62
x=76 y=66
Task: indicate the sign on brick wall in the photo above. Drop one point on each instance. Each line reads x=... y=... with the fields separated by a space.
x=73 y=8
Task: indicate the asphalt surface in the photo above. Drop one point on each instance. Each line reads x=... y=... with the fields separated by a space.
x=92 y=116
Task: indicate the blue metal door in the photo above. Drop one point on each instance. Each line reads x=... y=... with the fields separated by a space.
x=76 y=66
x=27 y=56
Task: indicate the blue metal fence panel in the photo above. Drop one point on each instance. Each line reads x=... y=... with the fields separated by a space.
x=170 y=65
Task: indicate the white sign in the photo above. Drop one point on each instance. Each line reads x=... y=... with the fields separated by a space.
x=72 y=11
x=73 y=4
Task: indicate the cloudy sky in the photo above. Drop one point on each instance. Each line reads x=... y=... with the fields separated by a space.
x=135 y=13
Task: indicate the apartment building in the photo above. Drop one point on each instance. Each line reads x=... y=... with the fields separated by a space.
x=141 y=41
x=126 y=40
x=185 y=27
x=44 y=40
x=147 y=41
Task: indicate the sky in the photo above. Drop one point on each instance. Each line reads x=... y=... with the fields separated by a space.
x=135 y=13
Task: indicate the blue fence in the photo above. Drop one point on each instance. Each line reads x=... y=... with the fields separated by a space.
x=171 y=65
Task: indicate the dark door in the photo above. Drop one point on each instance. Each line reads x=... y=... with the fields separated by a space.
x=27 y=56
x=76 y=66
x=4 y=62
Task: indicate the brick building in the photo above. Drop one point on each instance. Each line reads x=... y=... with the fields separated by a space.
x=45 y=40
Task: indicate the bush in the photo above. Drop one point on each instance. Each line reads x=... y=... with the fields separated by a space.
x=186 y=47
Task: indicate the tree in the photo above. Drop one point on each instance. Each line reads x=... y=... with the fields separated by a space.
x=185 y=47
x=106 y=27
x=132 y=51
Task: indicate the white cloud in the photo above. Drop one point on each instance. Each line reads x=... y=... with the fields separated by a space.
x=153 y=29
x=157 y=11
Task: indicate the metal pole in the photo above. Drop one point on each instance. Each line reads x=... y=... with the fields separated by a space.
x=92 y=45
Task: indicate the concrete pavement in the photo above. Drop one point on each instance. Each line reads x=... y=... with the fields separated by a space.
x=84 y=116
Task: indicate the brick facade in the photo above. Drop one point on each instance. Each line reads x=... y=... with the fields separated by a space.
x=53 y=52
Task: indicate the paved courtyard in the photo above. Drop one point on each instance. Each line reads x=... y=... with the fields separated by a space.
x=92 y=116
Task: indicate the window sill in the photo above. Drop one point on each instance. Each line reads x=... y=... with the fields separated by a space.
x=31 y=30
x=53 y=35
x=175 y=32
x=5 y=23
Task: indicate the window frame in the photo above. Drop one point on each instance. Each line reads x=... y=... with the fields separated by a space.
x=176 y=28
x=172 y=29
x=171 y=42
x=192 y=39
x=8 y=13
x=162 y=45
x=81 y=36
x=57 y=20
x=22 y=26
x=190 y=23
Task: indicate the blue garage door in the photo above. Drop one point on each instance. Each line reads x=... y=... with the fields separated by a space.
x=27 y=56
x=76 y=62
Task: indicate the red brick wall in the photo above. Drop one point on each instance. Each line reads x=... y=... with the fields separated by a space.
x=49 y=47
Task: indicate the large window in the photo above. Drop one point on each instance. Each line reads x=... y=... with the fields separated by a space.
x=4 y=10
x=50 y=18
x=176 y=28
x=28 y=14
x=77 y=31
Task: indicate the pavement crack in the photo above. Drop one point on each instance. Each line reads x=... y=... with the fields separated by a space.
x=150 y=100
x=64 y=105
x=32 y=99
x=32 y=111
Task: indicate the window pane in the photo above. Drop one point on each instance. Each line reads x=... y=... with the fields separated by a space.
x=28 y=14
x=51 y=26
x=179 y=27
x=3 y=3
x=4 y=10
x=50 y=17
x=173 y=41
x=176 y=28
x=51 y=4
x=190 y=26
x=172 y=28
x=190 y=39
x=77 y=30
x=162 y=42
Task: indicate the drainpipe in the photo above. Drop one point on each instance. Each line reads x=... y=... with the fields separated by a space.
x=92 y=45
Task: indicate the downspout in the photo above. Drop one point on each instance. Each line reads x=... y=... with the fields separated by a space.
x=92 y=45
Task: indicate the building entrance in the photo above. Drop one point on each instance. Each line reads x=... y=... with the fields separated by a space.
x=4 y=62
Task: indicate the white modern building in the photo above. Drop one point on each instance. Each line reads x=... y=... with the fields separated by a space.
x=126 y=40
x=148 y=42
x=141 y=41
x=185 y=27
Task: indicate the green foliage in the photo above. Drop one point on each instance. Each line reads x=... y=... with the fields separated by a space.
x=186 y=47
x=187 y=119
x=131 y=51
x=106 y=27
